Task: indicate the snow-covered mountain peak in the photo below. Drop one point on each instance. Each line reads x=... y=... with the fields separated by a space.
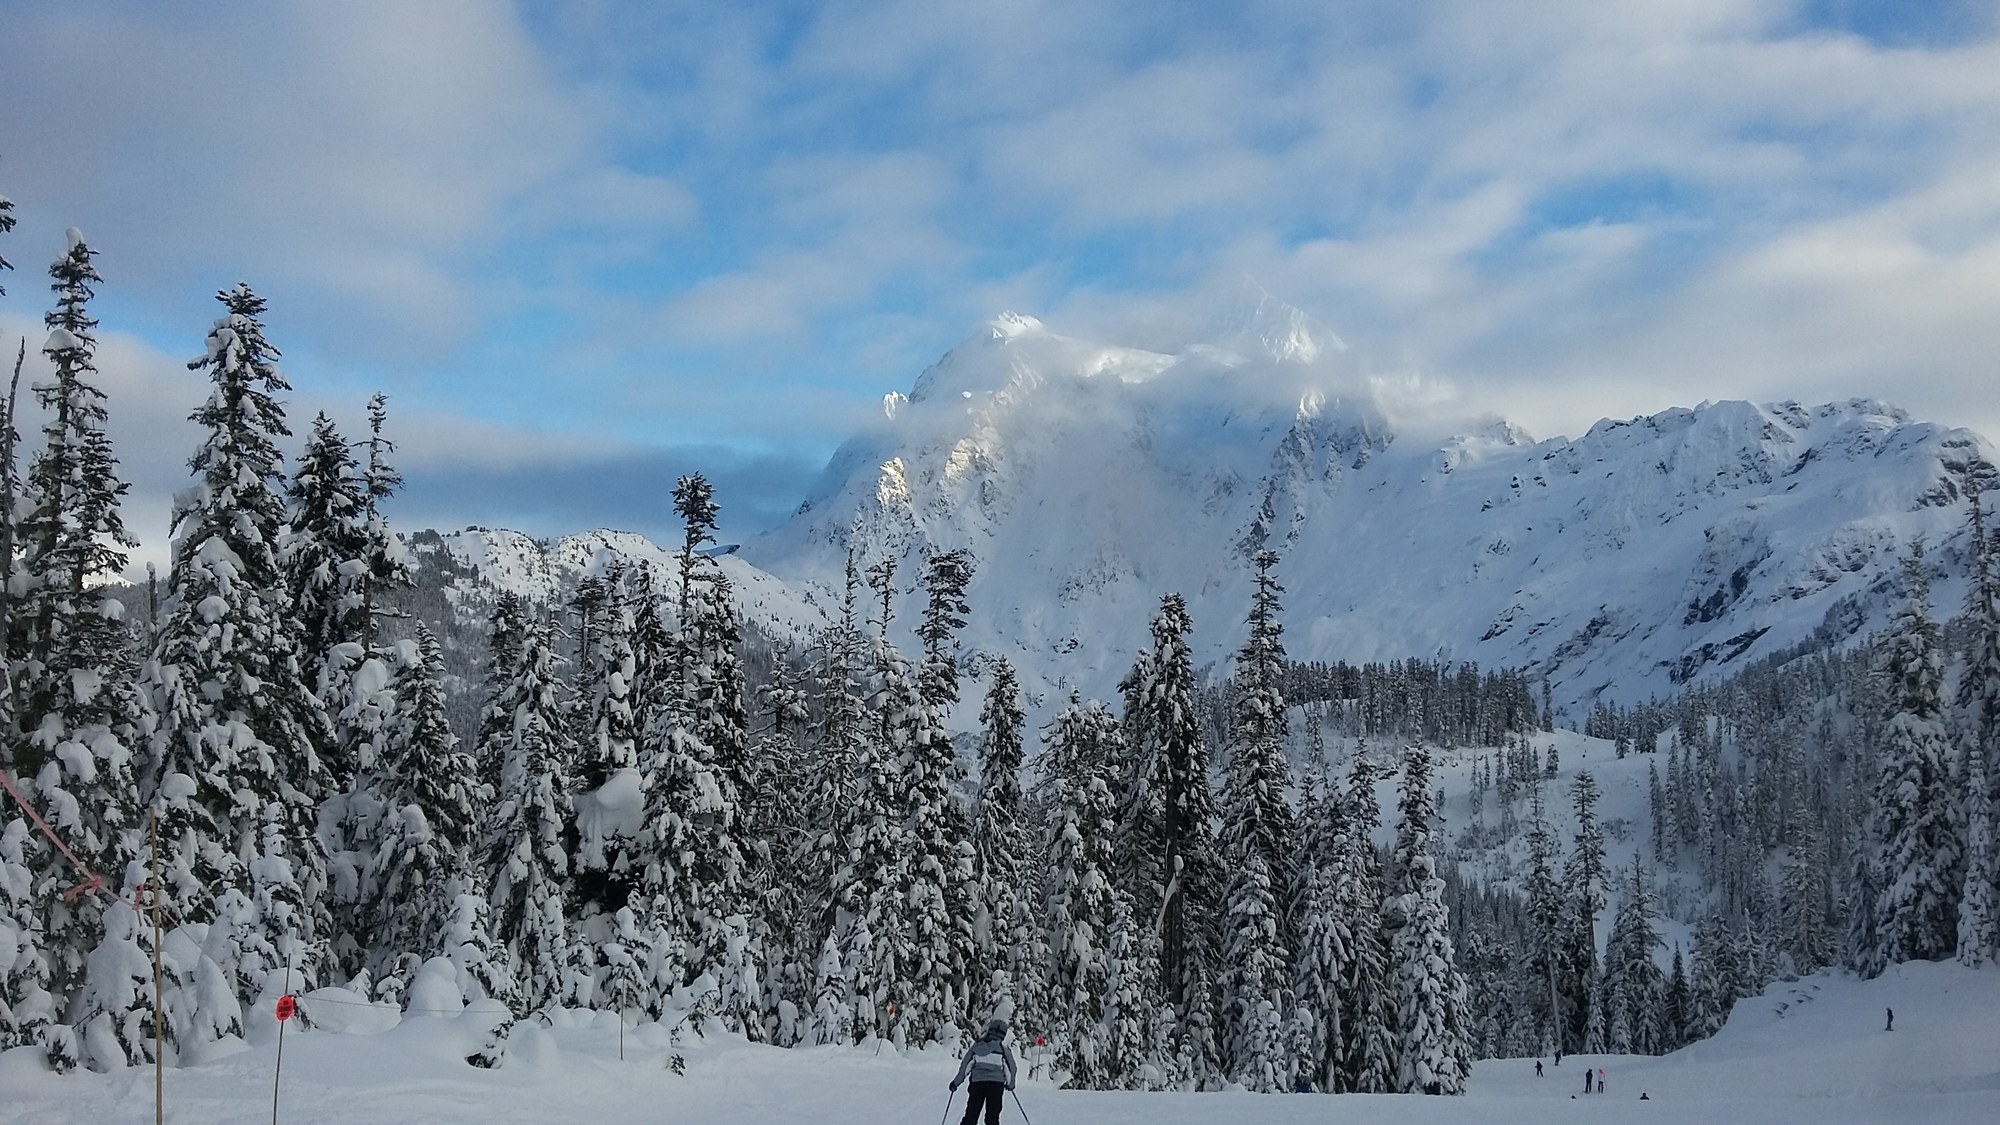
x=1258 y=327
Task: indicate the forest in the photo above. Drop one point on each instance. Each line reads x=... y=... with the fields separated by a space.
x=269 y=780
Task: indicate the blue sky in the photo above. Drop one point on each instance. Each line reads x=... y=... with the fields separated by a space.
x=587 y=246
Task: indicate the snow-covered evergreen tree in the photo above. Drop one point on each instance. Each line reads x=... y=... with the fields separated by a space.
x=422 y=862
x=528 y=866
x=239 y=730
x=1326 y=945
x=608 y=802
x=946 y=575
x=1920 y=851
x=1169 y=812
x=1079 y=901
x=1634 y=988
x=1003 y=857
x=1426 y=993
x=1368 y=1034
x=1258 y=848
x=72 y=687
x=1979 y=691
x=1583 y=890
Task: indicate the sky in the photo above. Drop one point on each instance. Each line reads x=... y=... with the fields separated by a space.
x=585 y=247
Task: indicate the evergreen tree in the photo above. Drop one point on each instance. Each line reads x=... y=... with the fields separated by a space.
x=239 y=730
x=1003 y=862
x=320 y=554
x=1545 y=955
x=423 y=862
x=1369 y=1036
x=1917 y=907
x=609 y=787
x=72 y=689
x=1634 y=989
x=946 y=575
x=1427 y=994
x=1979 y=691
x=1257 y=845
x=1325 y=936
x=528 y=866
x=1583 y=879
x=1168 y=815
x=1080 y=902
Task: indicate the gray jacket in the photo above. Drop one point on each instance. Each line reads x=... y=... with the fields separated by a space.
x=987 y=1060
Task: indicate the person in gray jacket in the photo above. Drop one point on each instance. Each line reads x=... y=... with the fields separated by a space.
x=990 y=1065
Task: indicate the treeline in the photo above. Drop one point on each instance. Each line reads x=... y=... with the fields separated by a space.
x=264 y=774
x=1442 y=704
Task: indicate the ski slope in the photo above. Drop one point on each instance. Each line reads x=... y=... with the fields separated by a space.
x=1811 y=1051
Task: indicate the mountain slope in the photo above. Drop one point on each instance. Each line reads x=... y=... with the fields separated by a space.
x=1089 y=479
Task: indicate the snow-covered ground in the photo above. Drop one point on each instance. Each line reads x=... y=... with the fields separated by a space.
x=1812 y=1051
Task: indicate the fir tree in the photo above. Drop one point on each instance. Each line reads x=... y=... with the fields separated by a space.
x=946 y=575
x=1917 y=907
x=72 y=689
x=1583 y=879
x=1169 y=811
x=1368 y=1035
x=422 y=864
x=1634 y=990
x=1257 y=845
x=1079 y=901
x=239 y=729
x=1979 y=692
x=528 y=866
x=1003 y=861
x=608 y=778
x=1427 y=994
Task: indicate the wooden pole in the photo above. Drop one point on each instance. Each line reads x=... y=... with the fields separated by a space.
x=159 y=1016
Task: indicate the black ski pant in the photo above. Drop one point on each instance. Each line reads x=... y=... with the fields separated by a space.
x=987 y=1094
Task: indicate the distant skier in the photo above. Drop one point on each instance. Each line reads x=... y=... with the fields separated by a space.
x=1586 y=1080
x=1538 y=1068
x=1891 y=1025
x=1600 y=1079
x=990 y=1065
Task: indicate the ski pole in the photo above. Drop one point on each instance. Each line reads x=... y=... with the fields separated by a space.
x=1019 y=1106
x=949 y=1097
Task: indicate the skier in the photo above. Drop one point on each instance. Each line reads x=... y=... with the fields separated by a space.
x=1538 y=1068
x=1586 y=1080
x=990 y=1065
x=1600 y=1079
x=1891 y=1025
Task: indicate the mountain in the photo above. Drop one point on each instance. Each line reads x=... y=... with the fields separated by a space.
x=1088 y=479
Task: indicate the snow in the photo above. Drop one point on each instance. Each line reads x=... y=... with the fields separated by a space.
x=1811 y=1052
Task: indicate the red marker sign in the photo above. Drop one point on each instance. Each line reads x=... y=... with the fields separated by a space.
x=286 y=1007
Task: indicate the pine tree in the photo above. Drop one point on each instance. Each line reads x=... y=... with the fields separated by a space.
x=946 y=575
x=1257 y=845
x=1079 y=902
x=325 y=535
x=1003 y=862
x=1583 y=879
x=607 y=802
x=1979 y=692
x=1168 y=816
x=73 y=689
x=1917 y=907
x=1634 y=990
x=239 y=729
x=528 y=865
x=423 y=858
x=1326 y=939
x=1545 y=955
x=1427 y=994
x=1368 y=1038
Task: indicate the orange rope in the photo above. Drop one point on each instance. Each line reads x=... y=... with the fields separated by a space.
x=93 y=883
